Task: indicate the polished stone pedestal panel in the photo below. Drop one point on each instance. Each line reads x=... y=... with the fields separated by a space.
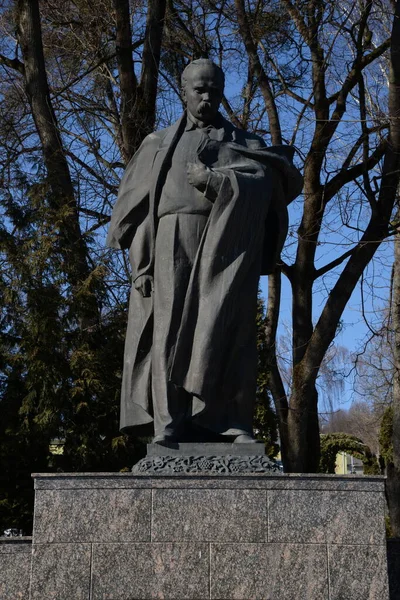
x=15 y=567
x=184 y=536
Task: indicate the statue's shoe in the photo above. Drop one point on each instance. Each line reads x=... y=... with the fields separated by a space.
x=244 y=439
x=164 y=440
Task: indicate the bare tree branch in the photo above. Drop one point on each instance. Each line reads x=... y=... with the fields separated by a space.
x=259 y=72
x=12 y=63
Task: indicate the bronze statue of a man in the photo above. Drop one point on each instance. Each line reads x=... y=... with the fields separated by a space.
x=202 y=208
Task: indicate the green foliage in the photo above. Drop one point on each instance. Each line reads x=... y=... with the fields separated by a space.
x=388 y=527
x=386 y=436
x=265 y=421
x=332 y=443
x=60 y=359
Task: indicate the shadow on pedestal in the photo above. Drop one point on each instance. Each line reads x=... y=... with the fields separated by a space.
x=393 y=554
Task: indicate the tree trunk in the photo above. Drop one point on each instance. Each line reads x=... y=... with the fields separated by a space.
x=310 y=343
x=302 y=453
x=391 y=183
x=127 y=78
x=62 y=196
x=393 y=470
x=147 y=93
x=275 y=382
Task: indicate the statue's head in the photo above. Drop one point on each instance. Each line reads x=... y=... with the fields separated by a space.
x=202 y=89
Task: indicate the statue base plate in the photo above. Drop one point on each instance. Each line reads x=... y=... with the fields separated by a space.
x=208 y=458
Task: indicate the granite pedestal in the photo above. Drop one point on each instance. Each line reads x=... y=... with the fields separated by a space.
x=201 y=536
x=15 y=567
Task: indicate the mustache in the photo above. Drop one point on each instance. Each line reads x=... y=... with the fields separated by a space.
x=204 y=106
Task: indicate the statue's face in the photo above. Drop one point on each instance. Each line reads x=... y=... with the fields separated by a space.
x=203 y=92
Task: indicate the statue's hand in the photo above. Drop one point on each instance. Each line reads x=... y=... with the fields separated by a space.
x=204 y=179
x=198 y=175
x=144 y=285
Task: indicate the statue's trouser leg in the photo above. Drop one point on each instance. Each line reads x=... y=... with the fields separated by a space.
x=233 y=405
x=178 y=239
x=240 y=376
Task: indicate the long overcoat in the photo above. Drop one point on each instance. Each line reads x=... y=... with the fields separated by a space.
x=243 y=238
